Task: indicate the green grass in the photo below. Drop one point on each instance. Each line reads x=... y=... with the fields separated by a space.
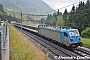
x=86 y=42
x=17 y=50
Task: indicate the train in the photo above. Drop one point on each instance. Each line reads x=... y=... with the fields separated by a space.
x=62 y=34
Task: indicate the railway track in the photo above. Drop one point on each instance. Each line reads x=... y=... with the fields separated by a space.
x=83 y=51
x=54 y=51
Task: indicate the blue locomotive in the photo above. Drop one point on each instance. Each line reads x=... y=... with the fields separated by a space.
x=65 y=35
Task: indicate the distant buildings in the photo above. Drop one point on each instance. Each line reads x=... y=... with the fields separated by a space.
x=8 y=9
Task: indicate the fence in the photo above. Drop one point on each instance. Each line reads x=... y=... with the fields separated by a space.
x=3 y=33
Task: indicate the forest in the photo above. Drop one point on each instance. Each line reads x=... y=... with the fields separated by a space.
x=2 y=12
x=78 y=17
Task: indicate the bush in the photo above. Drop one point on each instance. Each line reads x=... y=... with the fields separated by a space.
x=86 y=33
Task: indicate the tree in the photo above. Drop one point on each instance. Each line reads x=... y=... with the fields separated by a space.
x=53 y=21
x=1 y=15
x=71 y=20
x=1 y=11
x=42 y=20
x=48 y=20
x=65 y=15
x=73 y=9
x=1 y=8
x=60 y=21
x=58 y=12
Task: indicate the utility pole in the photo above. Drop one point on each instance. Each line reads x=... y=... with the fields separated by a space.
x=0 y=47
x=21 y=21
x=27 y=17
x=79 y=1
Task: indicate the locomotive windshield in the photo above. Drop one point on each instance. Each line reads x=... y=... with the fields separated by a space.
x=74 y=33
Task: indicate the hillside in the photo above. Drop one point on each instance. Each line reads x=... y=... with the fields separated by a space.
x=31 y=6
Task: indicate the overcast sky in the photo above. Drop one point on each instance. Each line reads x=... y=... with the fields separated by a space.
x=57 y=4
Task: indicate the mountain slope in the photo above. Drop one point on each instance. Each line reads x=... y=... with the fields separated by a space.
x=32 y=6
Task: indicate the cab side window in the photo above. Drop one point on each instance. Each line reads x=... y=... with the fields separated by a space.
x=65 y=34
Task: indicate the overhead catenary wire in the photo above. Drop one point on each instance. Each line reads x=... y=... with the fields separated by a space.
x=65 y=6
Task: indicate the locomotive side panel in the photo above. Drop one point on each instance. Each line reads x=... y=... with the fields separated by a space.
x=66 y=41
x=55 y=35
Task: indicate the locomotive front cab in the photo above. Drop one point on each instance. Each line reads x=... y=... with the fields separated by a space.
x=71 y=38
x=75 y=38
